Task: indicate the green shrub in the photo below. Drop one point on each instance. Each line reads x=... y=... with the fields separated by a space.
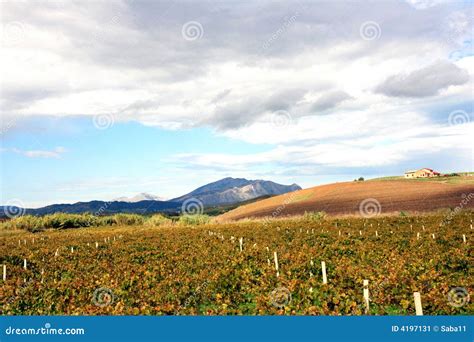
x=194 y=219
x=128 y=219
x=26 y=222
x=314 y=215
x=157 y=220
x=66 y=221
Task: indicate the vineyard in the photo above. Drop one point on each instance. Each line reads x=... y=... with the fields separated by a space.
x=350 y=266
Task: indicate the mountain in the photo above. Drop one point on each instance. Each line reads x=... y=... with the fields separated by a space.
x=138 y=198
x=225 y=192
x=105 y=208
x=233 y=190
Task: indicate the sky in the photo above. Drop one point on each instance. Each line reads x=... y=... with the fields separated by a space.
x=102 y=99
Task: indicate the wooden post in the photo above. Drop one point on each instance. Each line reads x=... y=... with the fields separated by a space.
x=56 y=253
x=323 y=267
x=464 y=238
x=24 y=264
x=4 y=272
x=276 y=263
x=360 y=232
x=366 y=295
x=19 y=242
x=423 y=226
x=241 y=243
x=418 y=307
x=376 y=234
x=339 y=233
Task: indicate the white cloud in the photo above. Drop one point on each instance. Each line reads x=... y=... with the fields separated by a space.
x=56 y=153
x=424 y=82
x=129 y=60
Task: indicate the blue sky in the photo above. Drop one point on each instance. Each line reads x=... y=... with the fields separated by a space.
x=107 y=99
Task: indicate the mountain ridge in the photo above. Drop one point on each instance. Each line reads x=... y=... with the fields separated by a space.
x=226 y=191
x=230 y=190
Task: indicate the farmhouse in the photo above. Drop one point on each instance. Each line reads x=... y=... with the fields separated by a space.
x=421 y=173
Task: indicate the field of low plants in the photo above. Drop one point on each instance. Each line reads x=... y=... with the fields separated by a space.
x=231 y=268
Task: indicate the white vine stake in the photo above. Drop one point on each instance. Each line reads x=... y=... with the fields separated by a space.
x=56 y=253
x=72 y=249
x=376 y=234
x=276 y=263
x=464 y=238
x=366 y=295
x=418 y=307
x=433 y=236
x=323 y=268
x=96 y=245
x=4 y=272
x=241 y=243
x=418 y=236
x=24 y=264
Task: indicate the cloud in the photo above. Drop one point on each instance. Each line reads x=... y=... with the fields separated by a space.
x=329 y=100
x=427 y=81
x=424 y=4
x=56 y=153
x=130 y=59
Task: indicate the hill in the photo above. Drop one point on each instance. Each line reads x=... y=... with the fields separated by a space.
x=347 y=198
x=233 y=190
x=138 y=198
x=216 y=198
